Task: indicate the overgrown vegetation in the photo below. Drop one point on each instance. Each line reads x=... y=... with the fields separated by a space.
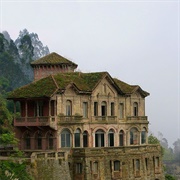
x=171 y=156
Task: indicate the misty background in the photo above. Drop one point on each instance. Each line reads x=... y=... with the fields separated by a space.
x=135 y=41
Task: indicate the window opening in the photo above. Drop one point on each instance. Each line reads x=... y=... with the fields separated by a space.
x=65 y=138
x=95 y=168
x=111 y=138
x=85 y=109
x=68 y=108
x=143 y=136
x=135 y=108
x=133 y=136
x=116 y=165
x=77 y=138
x=78 y=168
x=99 y=138
x=121 y=138
x=103 y=109
x=95 y=109
x=121 y=110
x=85 y=139
x=112 y=109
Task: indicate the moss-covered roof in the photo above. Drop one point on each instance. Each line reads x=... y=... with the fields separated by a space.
x=52 y=58
x=129 y=89
x=42 y=88
x=126 y=88
x=83 y=82
x=46 y=87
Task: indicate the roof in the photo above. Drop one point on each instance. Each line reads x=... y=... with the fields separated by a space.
x=129 y=89
x=46 y=87
x=53 y=58
x=82 y=82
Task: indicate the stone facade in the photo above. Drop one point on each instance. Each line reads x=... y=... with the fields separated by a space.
x=98 y=120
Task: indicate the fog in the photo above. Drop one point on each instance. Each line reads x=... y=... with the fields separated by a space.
x=135 y=41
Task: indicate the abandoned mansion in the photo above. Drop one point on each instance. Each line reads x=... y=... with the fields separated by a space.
x=98 y=121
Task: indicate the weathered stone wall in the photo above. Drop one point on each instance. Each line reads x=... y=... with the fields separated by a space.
x=141 y=163
x=108 y=163
x=49 y=166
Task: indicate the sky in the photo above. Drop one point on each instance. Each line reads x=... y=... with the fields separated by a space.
x=135 y=41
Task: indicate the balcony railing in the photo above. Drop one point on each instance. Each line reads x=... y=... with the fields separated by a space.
x=133 y=118
x=104 y=119
x=70 y=119
x=34 y=121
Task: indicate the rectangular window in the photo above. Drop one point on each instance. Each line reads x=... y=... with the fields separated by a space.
x=68 y=110
x=39 y=108
x=112 y=109
x=95 y=168
x=85 y=109
x=137 y=164
x=116 y=165
x=121 y=108
x=156 y=162
x=52 y=107
x=78 y=168
x=95 y=109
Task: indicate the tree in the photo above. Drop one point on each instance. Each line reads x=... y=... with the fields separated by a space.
x=10 y=169
x=177 y=149
x=154 y=140
x=169 y=177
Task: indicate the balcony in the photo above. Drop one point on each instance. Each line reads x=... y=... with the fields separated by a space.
x=137 y=118
x=105 y=119
x=70 y=119
x=35 y=121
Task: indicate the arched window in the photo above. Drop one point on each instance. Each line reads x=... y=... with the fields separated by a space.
x=133 y=136
x=103 y=109
x=143 y=136
x=39 y=140
x=77 y=138
x=27 y=139
x=65 y=138
x=121 y=138
x=111 y=137
x=50 y=141
x=85 y=139
x=68 y=108
x=135 y=109
x=99 y=138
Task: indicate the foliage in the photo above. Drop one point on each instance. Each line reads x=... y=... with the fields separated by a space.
x=154 y=140
x=169 y=177
x=176 y=145
x=11 y=170
x=5 y=117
